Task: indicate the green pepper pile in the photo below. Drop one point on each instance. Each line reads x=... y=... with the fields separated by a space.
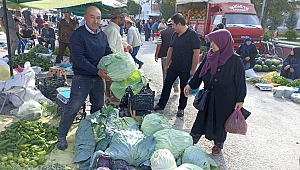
x=279 y=80
x=26 y=143
x=34 y=60
x=294 y=83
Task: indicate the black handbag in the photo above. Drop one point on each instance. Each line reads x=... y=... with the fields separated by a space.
x=245 y=113
x=201 y=97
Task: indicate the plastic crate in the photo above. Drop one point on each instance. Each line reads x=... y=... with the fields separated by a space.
x=144 y=100
x=48 y=85
x=62 y=99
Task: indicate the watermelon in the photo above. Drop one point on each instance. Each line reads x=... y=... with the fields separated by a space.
x=268 y=62
x=265 y=68
x=257 y=67
x=259 y=61
x=279 y=67
x=275 y=62
x=263 y=63
x=273 y=68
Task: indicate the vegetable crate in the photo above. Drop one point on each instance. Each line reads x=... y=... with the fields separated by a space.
x=59 y=71
x=144 y=100
x=62 y=99
x=48 y=85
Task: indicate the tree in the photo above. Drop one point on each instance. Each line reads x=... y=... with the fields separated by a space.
x=274 y=23
x=274 y=8
x=133 y=8
x=291 y=20
x=167 y=9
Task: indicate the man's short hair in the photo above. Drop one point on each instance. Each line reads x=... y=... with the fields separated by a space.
x=16 y=20
x=24 y=25
x=178 y=18
x=220 y=26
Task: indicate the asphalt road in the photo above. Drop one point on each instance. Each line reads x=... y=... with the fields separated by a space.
x=273 y=127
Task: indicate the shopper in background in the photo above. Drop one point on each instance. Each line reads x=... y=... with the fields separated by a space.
x=162 y=47
x=65 y=30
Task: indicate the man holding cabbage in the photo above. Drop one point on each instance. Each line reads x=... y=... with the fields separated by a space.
x=89 y=44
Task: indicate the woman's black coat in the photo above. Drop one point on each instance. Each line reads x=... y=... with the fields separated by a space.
x=228 y=86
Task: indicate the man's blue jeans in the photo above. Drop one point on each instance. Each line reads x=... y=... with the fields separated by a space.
x=22 y=45
x=134 y=52
x=82 y=86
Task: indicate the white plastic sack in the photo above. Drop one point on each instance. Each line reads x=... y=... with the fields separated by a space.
x=195 y=155
x=188 y=166
x=174 y=140
x=296 y=97
x=250 y=73
x=154 y=122
x=163 y=159
x=24 y=79
x=4 y=71
x=30 y=110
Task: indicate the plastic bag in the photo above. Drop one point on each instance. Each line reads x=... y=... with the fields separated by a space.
x=163 y=159
x=4 y=71
x=119 y=66
x=30 y=110
x=236 y=123
x=174 y=140
x=154 y=122
x=195 y=155
x=250 y=73
x=296 y=97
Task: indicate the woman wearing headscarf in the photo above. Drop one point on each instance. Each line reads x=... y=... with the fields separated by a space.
x=227 y=89
x=247 y=52
x=291 y=65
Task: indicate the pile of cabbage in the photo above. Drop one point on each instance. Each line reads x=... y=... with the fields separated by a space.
x=152 y=140
x=122 y=70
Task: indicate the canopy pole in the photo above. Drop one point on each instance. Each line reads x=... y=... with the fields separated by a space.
x=7 y=37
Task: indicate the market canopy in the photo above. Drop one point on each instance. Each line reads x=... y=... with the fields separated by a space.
x=105 y=7
x=51 y=4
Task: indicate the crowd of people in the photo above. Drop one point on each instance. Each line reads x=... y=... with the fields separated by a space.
x=222 y=71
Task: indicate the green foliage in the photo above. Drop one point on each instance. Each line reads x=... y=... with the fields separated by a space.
x=167 y=9
x=203 y=49
x=274 y=8
x=34 y=60
x=291 y=21
x=291 y=34
x=133 y=8
x=38 y=49
x=274 y=23
x=266 y=36
x=66 y=53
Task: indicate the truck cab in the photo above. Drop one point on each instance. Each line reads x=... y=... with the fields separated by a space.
x=238 y=16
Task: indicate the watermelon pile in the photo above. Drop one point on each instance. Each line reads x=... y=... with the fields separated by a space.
x=265 y=65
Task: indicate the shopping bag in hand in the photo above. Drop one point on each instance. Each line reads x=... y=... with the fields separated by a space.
x=236 y=123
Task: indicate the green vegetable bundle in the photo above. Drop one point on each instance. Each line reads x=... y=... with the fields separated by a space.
x=34 y=60
x=255 y=80
x=38 y=49
x=294 y=83
x=26 y=143
x=279 y=80
x=66 y=52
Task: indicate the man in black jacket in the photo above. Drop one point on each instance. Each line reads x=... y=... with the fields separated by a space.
x=162 y=47
x=47 y=36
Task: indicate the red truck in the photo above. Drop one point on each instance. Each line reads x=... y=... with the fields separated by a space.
x=238 y=16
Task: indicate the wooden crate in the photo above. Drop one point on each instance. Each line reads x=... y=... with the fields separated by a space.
x=59 y=71
x=139 y=114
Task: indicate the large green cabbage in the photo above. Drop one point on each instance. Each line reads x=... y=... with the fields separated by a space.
x=136 y=81
x=195 y=155
x=119 y=66
x=189 y=167
x=174 y=140
x=131 y=146
x=163 y=159
x=127 y=123
x=154 y=122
